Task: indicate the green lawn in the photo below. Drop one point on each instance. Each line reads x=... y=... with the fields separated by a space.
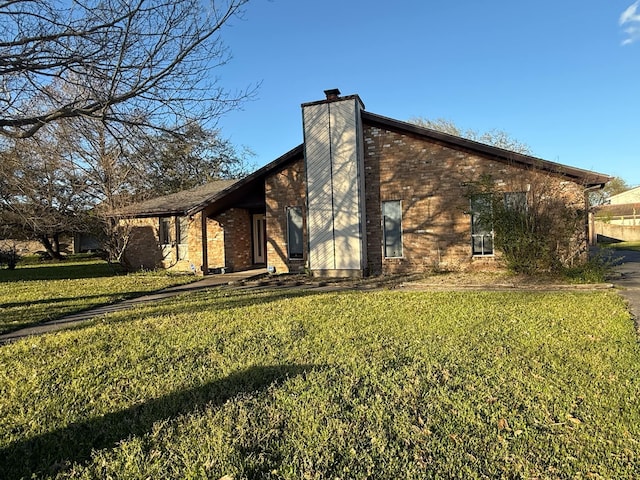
x=623 y=246
x=282 y=385
x=38 y=292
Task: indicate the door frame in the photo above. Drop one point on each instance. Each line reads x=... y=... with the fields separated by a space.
x=259 y=238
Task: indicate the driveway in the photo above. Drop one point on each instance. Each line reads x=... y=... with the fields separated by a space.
x=628 y=280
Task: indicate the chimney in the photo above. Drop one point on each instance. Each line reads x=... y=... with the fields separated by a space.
x=332 y=94
x=334 y=166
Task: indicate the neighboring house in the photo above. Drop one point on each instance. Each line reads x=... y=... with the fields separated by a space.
x=619 y=220
x=627 y=197
x=364 y=194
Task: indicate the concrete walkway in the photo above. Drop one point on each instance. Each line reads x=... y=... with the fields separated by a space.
x=80 y=317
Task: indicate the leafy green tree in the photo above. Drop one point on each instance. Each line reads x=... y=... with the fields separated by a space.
x=615 y=186
x=175 y=162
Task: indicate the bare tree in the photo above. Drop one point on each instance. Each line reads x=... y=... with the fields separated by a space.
x=494 y=137
x=42 y=194
x=142 y=63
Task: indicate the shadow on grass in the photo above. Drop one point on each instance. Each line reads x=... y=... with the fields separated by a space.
x=164 y=301
x=196 y=303
x=53 y=452
x=60 y=271
x=76 y=299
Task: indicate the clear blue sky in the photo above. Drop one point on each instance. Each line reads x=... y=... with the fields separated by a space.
x=561 y=76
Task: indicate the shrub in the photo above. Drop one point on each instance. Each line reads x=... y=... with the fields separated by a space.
x=538 y=226
x=595 y=270
x=9 y=256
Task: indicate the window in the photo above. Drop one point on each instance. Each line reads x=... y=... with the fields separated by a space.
x=294 y=232
x=516 y=201
x=481 y=218
x=392 y=228
x=164 y=231
x=182 y=236
x=182 y=226
x=481 y=227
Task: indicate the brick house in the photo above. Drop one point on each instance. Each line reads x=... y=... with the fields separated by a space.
x=363 y=194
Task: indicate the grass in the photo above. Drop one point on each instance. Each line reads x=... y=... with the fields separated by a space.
x=624 y=246
x=37 y=292
x=294 y=385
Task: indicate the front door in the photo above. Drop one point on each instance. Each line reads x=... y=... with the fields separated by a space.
x=259 y=239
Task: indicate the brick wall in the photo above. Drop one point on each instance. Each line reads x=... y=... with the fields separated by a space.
x=228 y=243
x=434 y=182
x=215 y=244
x=143 y=249
x=236 y=239
x=285 y=188
x=194 y=242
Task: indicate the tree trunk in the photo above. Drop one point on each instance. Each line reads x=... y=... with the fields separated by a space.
x=50 y=249
x=55 y=243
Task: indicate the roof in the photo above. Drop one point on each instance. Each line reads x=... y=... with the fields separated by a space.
x=587 y=178
x=180 y=202
x=223 y=193
x=189 y=202
x=625 y=196
x=619 y=210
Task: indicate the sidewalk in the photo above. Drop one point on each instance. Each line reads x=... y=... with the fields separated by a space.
x=80 y=317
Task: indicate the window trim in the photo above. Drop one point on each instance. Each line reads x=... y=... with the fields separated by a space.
x=296 y=255
x=384 y=229
x=482 y=234
x=164 y=231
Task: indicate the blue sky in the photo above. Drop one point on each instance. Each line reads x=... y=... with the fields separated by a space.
x=561 y=76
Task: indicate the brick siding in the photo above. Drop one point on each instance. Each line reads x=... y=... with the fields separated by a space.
x=236 y=239
x=434 y=182
x=285 y=188
x=143 y=250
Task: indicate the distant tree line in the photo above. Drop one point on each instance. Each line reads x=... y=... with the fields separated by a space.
x=74 y=176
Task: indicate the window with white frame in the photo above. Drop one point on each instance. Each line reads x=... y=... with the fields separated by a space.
x=392 y=228
x=295 y=246
x=481 y=225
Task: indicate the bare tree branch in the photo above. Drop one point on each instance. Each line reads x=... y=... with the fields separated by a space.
x=146 y=62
